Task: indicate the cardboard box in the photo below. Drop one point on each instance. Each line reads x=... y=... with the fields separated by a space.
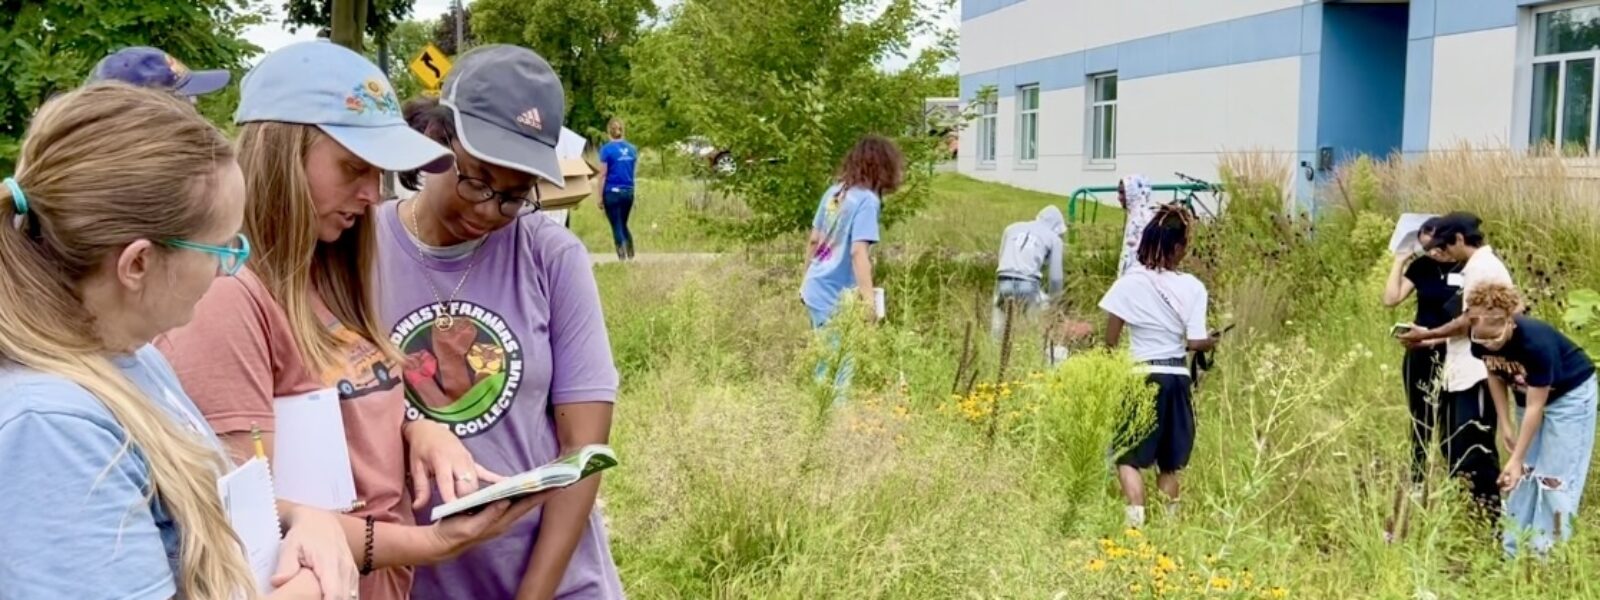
x=578 y=177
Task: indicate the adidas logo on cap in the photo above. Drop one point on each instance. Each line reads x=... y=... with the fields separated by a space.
x=531 y=119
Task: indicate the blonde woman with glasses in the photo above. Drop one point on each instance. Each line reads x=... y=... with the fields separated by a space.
x=124 y=208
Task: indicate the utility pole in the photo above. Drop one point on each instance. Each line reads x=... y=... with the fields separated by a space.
x=387 y=184
x=460 y=28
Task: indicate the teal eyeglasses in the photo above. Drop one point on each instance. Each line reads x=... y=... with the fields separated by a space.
x=229 y=258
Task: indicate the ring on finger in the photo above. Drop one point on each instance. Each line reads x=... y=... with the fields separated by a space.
x=466 y=478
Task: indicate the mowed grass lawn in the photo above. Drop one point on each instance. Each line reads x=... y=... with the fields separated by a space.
x=962 y=215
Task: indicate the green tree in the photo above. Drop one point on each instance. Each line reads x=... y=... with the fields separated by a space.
x=586 y=42
x=52 y=45
x=444 y=31
x=407 y=39
x=789 y=86
x=381 y=16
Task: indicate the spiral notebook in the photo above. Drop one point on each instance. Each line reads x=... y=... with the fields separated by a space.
x=252 y=509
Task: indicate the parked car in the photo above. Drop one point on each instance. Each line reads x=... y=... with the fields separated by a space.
x=718 y=160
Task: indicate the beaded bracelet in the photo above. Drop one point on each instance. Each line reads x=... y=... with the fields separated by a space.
x=366 y=563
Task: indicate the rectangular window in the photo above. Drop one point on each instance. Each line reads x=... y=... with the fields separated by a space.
x=1562 y=111
x=987 y=119
x=1028 y=123
x=1103 y=117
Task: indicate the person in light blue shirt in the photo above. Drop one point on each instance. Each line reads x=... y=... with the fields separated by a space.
x=618 y=158
x=57 y=440
x=845 y=228
x=111 y=474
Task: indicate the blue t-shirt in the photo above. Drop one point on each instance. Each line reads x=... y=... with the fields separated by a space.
x=78 y=524
x=843 y=219
x=619 y=157
x=1537 y=355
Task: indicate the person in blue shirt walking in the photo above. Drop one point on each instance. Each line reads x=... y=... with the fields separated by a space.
x=618 y=158
x=846 y=224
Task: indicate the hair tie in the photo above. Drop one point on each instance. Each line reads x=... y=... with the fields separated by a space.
x=18 y=200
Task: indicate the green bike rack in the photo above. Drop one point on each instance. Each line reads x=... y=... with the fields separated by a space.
x=1087 y=194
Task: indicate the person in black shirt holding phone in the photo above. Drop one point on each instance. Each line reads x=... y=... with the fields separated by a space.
x=1465 y=424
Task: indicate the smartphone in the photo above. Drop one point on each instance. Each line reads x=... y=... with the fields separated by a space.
x=1400 y=329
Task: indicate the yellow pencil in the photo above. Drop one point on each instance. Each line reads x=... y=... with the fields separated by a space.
x=255 y=436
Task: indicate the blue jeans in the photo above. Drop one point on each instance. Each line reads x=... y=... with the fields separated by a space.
x=847 y=364
x=1544 y=502
x=1028 y=298
x=618 y=202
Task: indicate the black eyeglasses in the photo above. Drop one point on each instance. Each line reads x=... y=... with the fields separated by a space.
x=479 y=191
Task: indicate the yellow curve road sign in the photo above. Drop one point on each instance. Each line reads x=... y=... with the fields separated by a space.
x=430 y=66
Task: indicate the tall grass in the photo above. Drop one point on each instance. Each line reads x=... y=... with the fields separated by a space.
x=736 y=485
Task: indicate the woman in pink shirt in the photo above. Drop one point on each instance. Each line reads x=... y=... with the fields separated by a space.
x=319 y=125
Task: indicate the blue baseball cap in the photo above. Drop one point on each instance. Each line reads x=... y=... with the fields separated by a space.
x=346 y=96
x=149 y=67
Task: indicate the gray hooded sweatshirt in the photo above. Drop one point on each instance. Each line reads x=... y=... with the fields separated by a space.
x=1027 y=246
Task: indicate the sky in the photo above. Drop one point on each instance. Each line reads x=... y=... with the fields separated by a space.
x=273 y=35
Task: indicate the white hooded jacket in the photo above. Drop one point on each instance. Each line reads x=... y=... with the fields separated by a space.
x=1026 y=247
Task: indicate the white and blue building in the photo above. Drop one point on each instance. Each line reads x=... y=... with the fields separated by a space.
x=1086 y=91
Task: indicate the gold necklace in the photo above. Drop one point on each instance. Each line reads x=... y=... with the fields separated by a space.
x=443 y=321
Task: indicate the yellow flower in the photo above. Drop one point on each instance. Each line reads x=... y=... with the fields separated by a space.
x=1095 y=565
x=1165 y=564
x=1133 y=533
x=901 y=411
x=1221 y=583
x=1135 y=588
x=1277 y=593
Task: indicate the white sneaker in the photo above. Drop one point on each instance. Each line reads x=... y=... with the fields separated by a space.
x=1135 y=516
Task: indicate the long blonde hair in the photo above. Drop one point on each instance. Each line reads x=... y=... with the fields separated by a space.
x=293 y=264
x=102 y=167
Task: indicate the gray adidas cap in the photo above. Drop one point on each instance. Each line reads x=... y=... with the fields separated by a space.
x=508 y=105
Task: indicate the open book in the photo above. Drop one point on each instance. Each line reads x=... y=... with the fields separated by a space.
x=587 y=461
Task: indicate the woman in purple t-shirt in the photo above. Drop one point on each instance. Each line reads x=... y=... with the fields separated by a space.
x=499 y=318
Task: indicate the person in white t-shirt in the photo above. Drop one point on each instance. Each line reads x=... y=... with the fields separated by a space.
x=1164 y=311
x=1465 y=394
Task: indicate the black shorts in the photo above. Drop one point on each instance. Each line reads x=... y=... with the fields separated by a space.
x=1172 y=441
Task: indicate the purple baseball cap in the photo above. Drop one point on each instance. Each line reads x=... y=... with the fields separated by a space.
x=149 y=67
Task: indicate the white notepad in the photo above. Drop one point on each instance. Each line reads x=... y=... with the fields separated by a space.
x=310 y=458
x=252 y=509
x=1404 y=239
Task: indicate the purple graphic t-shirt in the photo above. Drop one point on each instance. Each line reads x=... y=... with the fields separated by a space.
x=524 y=333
